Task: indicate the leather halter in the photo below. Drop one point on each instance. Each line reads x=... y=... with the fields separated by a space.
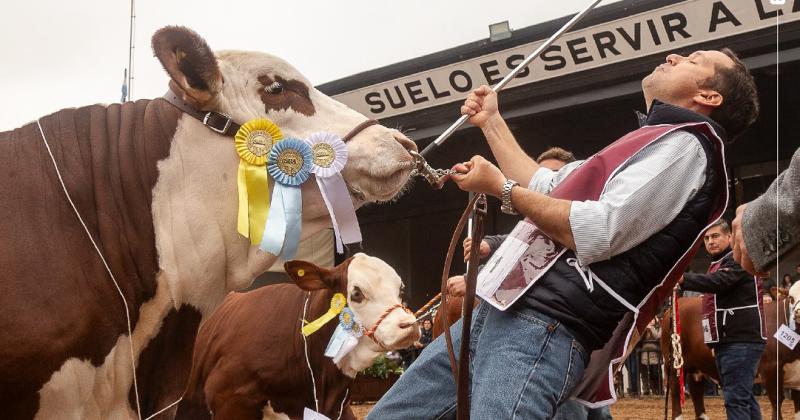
x=371 y=331
x=223 y=124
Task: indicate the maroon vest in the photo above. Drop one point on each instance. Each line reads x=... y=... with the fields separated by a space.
x=587 y=183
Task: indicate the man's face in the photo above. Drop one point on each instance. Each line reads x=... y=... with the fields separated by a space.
x=426 y=324
x=679 y=80
x=797 y=269
x=716 y=240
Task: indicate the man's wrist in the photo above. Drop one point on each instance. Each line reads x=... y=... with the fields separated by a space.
x=493 y=123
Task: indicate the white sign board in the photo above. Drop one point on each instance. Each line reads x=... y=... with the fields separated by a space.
x=659 y=30
x=787 y=337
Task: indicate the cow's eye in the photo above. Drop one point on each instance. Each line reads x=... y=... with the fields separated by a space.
x=356 y=295
x=275 y=88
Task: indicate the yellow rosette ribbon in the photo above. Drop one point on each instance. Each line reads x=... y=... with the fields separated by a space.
x=253 y=142
x=338 y=303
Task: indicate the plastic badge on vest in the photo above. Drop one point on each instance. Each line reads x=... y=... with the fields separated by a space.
x=787 y=337
x=525 y=255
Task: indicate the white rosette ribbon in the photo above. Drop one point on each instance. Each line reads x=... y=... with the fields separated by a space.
x=329 y=158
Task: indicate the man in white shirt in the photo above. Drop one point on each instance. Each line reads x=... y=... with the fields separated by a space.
x=652 y=207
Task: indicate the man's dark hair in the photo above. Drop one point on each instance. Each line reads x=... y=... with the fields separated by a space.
x=556 y=153
x=740 y=105
x=723 y=226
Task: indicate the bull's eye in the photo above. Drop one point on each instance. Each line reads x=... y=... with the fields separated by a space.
x=356 y=295
x=274 y=89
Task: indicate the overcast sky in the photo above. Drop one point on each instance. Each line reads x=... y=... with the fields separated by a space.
x=58 y=54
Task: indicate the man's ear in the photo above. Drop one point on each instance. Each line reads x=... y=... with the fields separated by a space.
x=189 y=62
x=708 y=98
x=309 y=276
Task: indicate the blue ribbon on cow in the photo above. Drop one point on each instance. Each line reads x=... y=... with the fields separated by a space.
x=289 y=163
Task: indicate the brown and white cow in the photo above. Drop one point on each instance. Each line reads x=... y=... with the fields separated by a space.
x=250 y=357
x=157 y=190
x=698 y=361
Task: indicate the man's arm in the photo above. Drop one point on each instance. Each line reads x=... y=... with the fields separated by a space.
x=481 y=106
x=729 y=276
x=770 y=224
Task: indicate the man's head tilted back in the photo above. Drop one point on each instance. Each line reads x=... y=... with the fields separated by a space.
x=713 y=83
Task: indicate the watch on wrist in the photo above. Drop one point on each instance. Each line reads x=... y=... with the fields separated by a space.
x=505 y=197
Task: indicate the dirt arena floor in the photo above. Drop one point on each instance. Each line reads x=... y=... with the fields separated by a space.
x=652 y=408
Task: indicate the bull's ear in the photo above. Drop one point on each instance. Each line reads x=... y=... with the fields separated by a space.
x=189 y=62
x=309 y=276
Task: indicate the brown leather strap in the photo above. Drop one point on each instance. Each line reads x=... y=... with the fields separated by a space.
x=357 y=129
x=461 y=373
x=216 y=121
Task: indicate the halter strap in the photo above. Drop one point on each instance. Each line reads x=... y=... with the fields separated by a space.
x=371 y=332
x=225 y=125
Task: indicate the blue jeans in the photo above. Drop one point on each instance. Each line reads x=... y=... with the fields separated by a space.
x=737 y=363
x=573 y=410
x=522 y=367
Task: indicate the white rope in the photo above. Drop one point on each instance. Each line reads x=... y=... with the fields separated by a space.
x=124 y=301
x=163 y=409
x=305 y=346
x=341 y=407
x=677 y=352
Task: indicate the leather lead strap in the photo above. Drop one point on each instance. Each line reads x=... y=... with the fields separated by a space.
x=460 y=369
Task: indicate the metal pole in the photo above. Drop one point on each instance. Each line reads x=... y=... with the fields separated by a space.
x=447 y=133
x=130 y=52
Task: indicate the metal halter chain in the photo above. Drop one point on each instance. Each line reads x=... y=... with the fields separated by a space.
x=433 y=176
x=677 y=352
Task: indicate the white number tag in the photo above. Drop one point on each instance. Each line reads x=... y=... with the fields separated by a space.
x=787 y=337
x=309 y=414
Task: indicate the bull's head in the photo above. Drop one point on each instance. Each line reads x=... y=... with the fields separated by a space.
x=373 y=291
x=195 y=200
x=794 y=300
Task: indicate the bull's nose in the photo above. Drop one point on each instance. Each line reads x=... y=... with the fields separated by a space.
x=406 y=142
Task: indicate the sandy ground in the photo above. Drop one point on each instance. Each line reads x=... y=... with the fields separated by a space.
x=652 y=408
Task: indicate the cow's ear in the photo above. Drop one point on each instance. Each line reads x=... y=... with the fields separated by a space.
x=309 y=276
x=189 y=62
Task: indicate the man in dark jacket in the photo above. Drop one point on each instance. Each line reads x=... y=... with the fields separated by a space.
x=732 y=321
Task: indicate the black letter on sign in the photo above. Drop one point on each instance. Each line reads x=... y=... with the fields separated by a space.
x=763 y=15
x=653 y=31
x=416 y=94
x=558 y=58
x=513 y=61
x=466 y=87
x=717 y=8
x=572 y=44
x=608 y=44
x=489 y=72
x=374 y=98
x=401 y=100
x=436 y=93
x=680 y=27
x=636 y=41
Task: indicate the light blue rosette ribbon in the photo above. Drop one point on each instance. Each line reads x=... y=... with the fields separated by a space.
x=289 y=164
x=329 y=158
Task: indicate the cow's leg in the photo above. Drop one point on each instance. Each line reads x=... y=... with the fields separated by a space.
x=796 y=401
x=775 y=395
x=697 y=387
x=675 y=396
x=237 y=408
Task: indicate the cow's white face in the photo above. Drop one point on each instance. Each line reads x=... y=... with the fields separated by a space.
x=794 y=300
x=373 y=288
x=195 y=200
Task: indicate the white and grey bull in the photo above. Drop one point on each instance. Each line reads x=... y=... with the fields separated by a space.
x=157 y=190
x=250 y=357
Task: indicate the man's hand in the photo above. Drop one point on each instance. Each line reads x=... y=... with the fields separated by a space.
x=481 y=106
x=483 y=251
x=456 y=286
x=418 y=345
x=479 y=176
x=740 y=254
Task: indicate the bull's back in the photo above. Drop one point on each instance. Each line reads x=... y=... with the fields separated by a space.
x=57 y=301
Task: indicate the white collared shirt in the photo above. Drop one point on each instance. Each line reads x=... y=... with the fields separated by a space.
x=639 y=200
